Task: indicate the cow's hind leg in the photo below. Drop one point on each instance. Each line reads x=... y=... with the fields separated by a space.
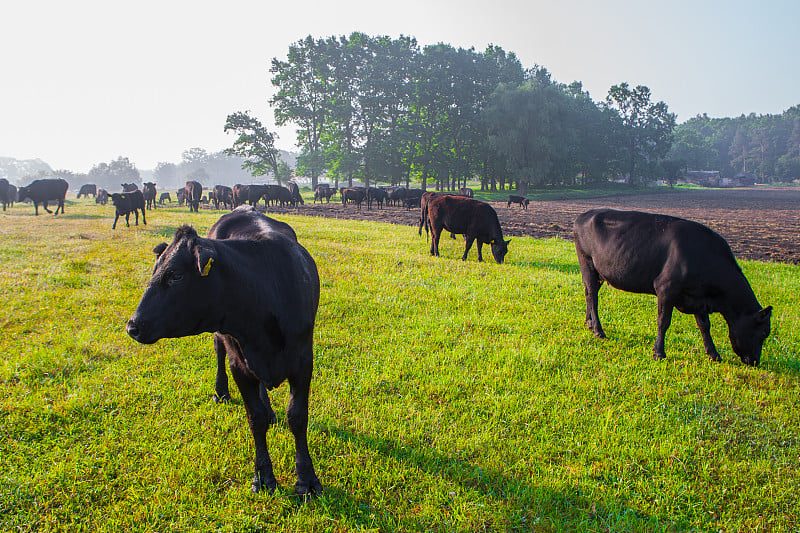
x=258 y=418
x=591 y=288
x=144 y=221
x=221 y=391
x=664 y=319
x=704 y=324
x=468 y=245
x=297 y=417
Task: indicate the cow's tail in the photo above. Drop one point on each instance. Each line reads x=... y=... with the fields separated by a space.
x=423 y=220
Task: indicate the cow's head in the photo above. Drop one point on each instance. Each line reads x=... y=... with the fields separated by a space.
x=22 y=193
x=748 y=333
x=180 y=299
x=500 y=249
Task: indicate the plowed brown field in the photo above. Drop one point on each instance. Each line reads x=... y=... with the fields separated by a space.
x=761 y=223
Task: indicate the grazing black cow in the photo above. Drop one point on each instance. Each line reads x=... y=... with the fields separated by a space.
x=129 y=187
x=165 y=197
x=258 y=291
x=42 y=191
x=5 y=194
x=686 y=265
x=353 y=195
x=87 y=189
x=127 y=203
x=379 y=196
x=277 y=194
x=256 y=193
x=413 y=198
x=192 y=193
x=466 y=191
x=521 y=200
x=474 y=219
x=102 y=197
x=297 y=198
x=323 y=190
x=149 y=193
x=223 y=195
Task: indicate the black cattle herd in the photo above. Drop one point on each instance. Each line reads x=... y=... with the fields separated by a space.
x=257 y=289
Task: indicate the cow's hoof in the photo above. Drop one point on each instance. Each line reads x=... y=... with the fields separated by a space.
x=659 y=356
x=600 y=334
x=263 y=483
x=221 y=398
x=308 y=490
x=715 y=357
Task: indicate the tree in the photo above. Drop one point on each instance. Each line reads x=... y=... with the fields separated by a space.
x=254 y=144
x=284 y=173
x=646 y=129
x=111 y=175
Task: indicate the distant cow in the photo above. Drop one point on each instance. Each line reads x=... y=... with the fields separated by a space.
x=353 y=195
x=180 y=196
x=474 y=219
x=413 y=198
x=323 y=190
x=258 y=292
x=396 y=195
x=42 y=191
x=5 y=193
x=686 y=265
x=129 y=187
x=223 y=195
x=127 y=203
x=102 y=197
x=297 y=198
x=466 y=191
x=376 y=195
x=164 y=197
x=240 y=194
x=521 y=200
x=193 y=191
x=149 y=192
x=87 y=189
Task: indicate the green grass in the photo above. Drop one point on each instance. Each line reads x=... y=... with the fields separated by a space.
x=448 y=396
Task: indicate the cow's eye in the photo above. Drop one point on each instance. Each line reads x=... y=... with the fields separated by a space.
x=175 y=277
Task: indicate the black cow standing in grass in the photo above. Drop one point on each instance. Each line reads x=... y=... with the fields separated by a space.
x=521 y=200
x=223 y=195
x=150 y=193
x=42 y=191
x=192 y=192
x=5 y=193
x=87 y=189
x=474 y=219
x=129 y=187
x=686 y=265
x=164 y=197
x=353 y=195
x=257 y=290
x=127 y=203
x=102 y=197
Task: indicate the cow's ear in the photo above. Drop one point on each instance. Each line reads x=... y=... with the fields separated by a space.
x=765 y=314
x=508 y=242
x=159 y=249
x=205 y=259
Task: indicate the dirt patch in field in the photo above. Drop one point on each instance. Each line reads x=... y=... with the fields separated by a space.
x=761 y=223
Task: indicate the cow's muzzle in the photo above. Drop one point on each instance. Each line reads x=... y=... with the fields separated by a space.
x=136 y=334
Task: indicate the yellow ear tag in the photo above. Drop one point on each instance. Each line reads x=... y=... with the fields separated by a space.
x=207 y=268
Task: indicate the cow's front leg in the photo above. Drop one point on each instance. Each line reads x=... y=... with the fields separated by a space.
x=704 y=324
x=664 y=319
x=259 y=420
x=308 y=483
x=468 y=245
x=221 y=391
x=591 y=290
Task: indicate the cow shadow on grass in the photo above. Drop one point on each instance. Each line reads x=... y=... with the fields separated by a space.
x=523 y=504
x=565 y=268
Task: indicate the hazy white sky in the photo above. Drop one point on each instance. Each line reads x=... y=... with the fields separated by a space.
x=85 y=81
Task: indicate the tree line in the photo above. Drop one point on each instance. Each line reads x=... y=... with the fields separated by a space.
x=378 y=108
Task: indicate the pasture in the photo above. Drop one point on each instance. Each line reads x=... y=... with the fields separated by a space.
x=447 y=395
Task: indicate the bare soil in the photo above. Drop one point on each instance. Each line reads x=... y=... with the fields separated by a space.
x=760 y=224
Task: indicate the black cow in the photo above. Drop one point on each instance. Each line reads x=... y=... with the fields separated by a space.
x=12 y=194
x=5 y=193
x=42 y=191
x=396 y=195
x=127 y=203
x=521 y=200
x=192 y=192
x=375 y=194
x=297 y=198
x=474 y=219
x=258 y=292
x=180 y=195
x=686 y=265
x=87 y=189
x=129 y=187
x=149 y=193
x=240 y=194
x=102 y=197
x=354 y=195
x=323 y=190
x=222 y=194
x=466 y=191
x=164 y=197
x=413 y=198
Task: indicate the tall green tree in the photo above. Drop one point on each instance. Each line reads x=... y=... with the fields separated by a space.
x=254 y=143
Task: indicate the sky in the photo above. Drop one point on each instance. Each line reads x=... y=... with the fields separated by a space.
x=87 y=81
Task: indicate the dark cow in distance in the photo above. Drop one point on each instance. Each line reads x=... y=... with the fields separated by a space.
x=129 y=187
x=686 y=265
x=521 y=200
x=297 y=198
x=127 y=203
x=240 y=194
x=193 y=191
x=323 y=190
x=257 y=290
x=223 y=195
x=5 y=192
x=466 y=191
x=164 y=197
x=102 y=197
x=87 y=189
x=42 y=191
x=474 y=219
x=376 y=195
x=353 y=195
x=150 y=193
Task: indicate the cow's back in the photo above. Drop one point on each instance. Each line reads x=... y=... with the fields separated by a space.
x=247 y=223
x=630 y=249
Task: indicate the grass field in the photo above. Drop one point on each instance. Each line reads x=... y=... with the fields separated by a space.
x=448 y=396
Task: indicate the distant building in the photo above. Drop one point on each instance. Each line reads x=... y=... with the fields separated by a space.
x=704 y=178
x=742 y=179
